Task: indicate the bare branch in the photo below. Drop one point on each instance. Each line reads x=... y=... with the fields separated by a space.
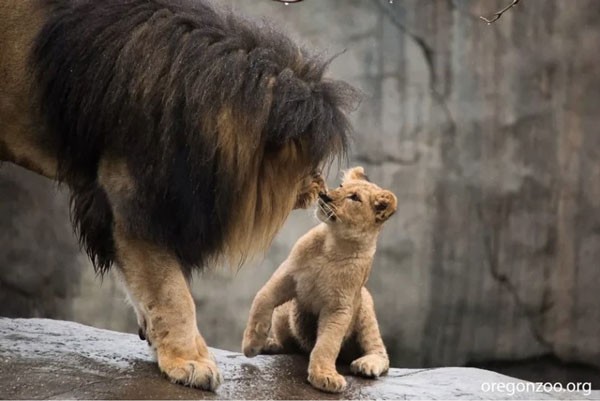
x=286 y=2
x=498 y=14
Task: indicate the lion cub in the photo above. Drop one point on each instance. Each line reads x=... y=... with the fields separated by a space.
x=316 y=300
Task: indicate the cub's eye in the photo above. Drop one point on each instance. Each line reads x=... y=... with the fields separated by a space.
x=341 y=185
x=355 y=198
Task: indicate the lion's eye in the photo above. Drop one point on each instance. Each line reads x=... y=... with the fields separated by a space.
x=355 y=198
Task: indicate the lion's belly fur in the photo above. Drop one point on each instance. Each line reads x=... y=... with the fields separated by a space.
x=187 y=127
x=22 y=139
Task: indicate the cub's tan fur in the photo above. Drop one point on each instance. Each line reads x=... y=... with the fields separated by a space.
x=316 y=301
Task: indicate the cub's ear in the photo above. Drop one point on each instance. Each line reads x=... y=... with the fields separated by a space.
x=385 y=205
x=356 y=173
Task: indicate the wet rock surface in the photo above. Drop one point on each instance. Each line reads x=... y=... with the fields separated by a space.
x=50 y=359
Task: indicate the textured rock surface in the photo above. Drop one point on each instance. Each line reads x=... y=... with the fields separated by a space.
x=48 y=359
x=42 y=271
x=39 y=259
x=489 y=137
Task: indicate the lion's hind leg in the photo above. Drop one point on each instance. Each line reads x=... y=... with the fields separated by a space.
x=162 y=299
x=375 y=360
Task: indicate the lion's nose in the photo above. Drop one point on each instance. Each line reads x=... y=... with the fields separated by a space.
x=324 y=197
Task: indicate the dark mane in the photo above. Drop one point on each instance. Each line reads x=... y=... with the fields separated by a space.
x=195 y=100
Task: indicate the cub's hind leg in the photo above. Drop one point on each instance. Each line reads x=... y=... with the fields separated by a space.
x=160 y=293
x=375 y=360
x=281 y=339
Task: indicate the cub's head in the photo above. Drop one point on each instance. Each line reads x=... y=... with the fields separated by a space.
x=357 y=206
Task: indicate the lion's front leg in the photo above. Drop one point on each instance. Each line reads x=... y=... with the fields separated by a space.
x=160 y=293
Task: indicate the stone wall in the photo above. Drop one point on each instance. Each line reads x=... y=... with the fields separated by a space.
x=39 y=259
x=487 y=134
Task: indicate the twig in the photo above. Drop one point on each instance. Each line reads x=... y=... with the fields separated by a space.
x=497 y=15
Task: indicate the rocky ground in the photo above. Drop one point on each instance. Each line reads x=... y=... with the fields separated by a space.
x=50 y=359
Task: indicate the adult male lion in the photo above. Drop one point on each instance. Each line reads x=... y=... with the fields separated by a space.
x=185 y=134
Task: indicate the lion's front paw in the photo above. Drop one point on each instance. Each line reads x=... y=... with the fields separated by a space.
x=202 y=373
x=327 y=380
x=370 y=366
x=254 y=341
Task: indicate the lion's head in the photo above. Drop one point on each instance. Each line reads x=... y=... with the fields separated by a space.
x=357 y=206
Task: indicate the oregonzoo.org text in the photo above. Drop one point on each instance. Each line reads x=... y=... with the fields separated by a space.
x=512 y=388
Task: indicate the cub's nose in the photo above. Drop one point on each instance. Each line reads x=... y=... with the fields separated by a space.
x=324 y=197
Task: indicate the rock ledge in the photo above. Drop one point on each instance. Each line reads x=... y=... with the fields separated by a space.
x=51 y=359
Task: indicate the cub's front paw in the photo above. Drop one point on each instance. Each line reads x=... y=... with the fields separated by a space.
x=254 y=340
x=327 y=380
x=201 y=373
x=370 y=366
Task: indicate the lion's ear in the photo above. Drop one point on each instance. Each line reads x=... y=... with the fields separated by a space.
x=356 y=173
x=385 y=205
